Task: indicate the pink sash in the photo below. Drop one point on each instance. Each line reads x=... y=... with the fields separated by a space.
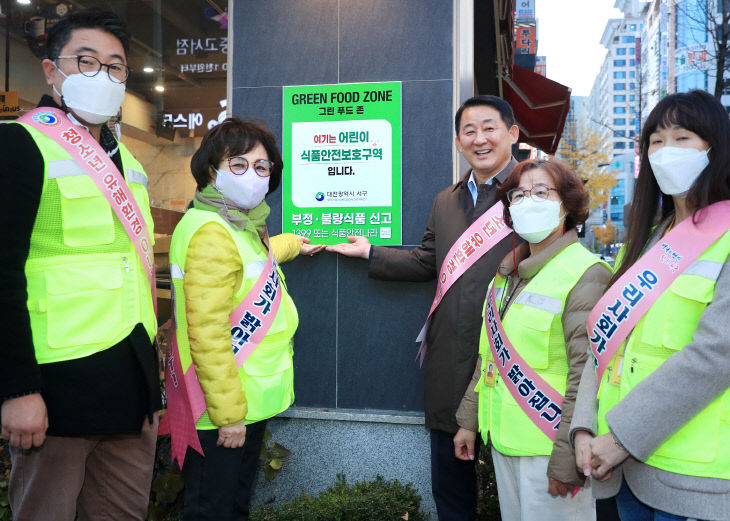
x=250 y=322
x=537 y=398
x=477 y=240
x=631 y=296
x=97 y=164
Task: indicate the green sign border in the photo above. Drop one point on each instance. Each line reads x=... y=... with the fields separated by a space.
x=340 y=106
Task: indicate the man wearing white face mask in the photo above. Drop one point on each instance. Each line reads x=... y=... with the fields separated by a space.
x=79 y=380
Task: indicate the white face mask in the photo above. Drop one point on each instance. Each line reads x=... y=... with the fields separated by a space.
x=247 y=190
x=677 y=168
x=94 y=99
x=535 y=221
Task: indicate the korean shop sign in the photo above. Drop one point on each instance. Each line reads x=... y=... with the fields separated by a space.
x=342 y=162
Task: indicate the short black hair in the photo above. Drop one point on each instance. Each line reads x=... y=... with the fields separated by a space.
x=504 y=109
x=93 y=18
x=233 y=137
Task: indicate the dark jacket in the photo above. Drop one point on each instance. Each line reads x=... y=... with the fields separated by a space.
x=109 y=392
x=453 y=337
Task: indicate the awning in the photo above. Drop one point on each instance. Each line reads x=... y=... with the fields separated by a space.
x=540 y=105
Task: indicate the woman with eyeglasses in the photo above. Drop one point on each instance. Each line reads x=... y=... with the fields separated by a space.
x=652 y=422
x=533 y=347
x=235 y=318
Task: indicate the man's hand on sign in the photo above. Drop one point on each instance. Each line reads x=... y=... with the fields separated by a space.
x=357 y=247
x=232 y=436
x=25 y=421
x=309 y=249
x=464 y=444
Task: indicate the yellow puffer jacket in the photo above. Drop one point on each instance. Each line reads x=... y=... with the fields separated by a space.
x=213 y=275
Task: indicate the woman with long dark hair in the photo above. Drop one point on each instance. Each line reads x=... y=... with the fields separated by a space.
x=660 y=336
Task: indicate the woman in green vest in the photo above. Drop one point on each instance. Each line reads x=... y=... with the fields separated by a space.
x=661 y=417
x=543 y=292
x=218 y=254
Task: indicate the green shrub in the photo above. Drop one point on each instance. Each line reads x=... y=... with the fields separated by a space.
x=488 y=504
x=364 y=501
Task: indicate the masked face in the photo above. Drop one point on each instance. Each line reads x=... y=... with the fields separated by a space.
x=535 y=206
x=92 y=99
x=247 y=189
x=534 y=221
x=677 y=157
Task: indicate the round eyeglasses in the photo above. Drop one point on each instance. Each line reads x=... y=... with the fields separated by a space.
x=238 y=165
x=90 y=66
x=537 y=193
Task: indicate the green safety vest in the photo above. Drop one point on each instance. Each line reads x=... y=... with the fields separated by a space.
x=87 y=288
x=700 y=447
x=534 y=326
x=267 y=376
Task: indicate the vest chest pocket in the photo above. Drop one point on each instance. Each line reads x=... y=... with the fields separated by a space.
x=689 y=297
x=86 y=217
x=531 y=337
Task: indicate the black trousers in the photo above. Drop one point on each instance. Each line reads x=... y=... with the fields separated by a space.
x=453 y=481
x=218 y=485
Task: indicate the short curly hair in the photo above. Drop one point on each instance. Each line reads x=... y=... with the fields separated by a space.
x=234 y=137
x=570 y=188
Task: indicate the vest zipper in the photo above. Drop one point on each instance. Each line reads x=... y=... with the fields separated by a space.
x=126 y=264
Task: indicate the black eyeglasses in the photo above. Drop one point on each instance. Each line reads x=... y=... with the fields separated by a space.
x=537 y=193
x=90 y=66
x=238 y=165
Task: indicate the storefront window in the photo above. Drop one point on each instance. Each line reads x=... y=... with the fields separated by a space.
x=175 y=93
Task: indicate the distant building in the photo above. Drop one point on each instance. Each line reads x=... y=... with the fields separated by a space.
x=622 y=193
x=614 y=99
x=679 y=49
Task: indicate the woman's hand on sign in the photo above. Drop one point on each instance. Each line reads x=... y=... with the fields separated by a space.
x=309 y=249
x=607 y=454
x=232 y=436
x=464 y=444
x=558 y=488
x=583 y=454
x=357 y=247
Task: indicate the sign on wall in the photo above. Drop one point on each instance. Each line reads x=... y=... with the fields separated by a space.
x=342 y=162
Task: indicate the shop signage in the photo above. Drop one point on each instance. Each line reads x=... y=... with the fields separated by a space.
x=9 y=105
x=342 y=162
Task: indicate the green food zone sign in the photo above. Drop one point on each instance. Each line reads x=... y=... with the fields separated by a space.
x=342 y=162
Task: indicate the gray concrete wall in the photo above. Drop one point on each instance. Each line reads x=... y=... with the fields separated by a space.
x=355 y=346
x=358 y=445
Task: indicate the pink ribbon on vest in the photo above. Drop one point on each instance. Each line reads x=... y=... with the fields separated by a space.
x=97 y=164
x=631 y=296
x=472 y=245
x=537 y=398
x=250 y=322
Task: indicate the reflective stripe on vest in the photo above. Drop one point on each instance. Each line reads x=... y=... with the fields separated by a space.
x=267 y=375
x=700 y=447
x=534 y=326
x=86 y=286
